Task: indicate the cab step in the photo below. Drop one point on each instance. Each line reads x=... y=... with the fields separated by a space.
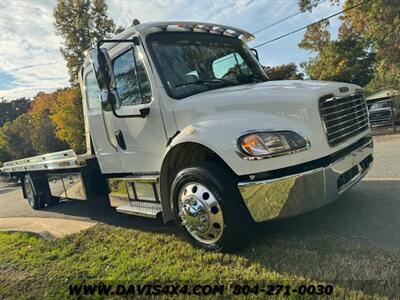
x=140 y=208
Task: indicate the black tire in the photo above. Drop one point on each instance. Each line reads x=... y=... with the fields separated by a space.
x=35 y=199
x=52 y=200
x=220 y=181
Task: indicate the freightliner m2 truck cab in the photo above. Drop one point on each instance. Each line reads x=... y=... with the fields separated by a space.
x=185 y=115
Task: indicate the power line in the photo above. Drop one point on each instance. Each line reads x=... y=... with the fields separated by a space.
x=304 y=27
x=282 y=20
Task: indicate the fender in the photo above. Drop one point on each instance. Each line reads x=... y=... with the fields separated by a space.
x=218 y=133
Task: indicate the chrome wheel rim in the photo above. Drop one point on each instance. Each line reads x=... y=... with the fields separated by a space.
x=200 y=213
x=29 y=192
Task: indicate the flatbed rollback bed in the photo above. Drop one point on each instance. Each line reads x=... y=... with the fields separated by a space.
x=58 y=175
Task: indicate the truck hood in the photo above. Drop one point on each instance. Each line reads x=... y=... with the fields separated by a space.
x=288 y=87
x=289 y=98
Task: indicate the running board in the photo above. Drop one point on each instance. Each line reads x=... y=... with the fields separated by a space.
x=142 y=209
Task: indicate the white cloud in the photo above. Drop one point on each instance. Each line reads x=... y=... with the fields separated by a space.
x=29 y=47
x=229 y=12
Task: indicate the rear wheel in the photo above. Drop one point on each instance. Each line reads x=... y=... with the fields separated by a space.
x=52 y=200
x=35 y=200
x=208 y=208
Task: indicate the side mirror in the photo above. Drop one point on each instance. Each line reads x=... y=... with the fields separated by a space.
x=144 y=112
x=102 y=68
x=255 y=52
x=101 y=63
x=108 y=99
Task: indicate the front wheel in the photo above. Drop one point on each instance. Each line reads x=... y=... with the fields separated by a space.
x=208 y=208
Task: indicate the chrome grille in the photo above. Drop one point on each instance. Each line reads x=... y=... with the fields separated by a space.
x=343 y=117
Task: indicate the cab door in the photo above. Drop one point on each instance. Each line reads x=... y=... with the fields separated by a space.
x=140 y=140
x=99 y=122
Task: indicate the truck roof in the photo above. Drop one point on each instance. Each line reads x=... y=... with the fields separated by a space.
x=144 y=29
x=151 y=27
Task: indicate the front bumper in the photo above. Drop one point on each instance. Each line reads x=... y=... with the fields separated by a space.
x=299 y=193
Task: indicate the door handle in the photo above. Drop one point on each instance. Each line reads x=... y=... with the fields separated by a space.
x=120 y=139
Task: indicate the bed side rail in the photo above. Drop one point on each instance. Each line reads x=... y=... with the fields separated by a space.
x=51 y=161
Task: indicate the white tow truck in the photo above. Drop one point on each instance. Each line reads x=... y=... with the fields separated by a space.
x=184 y=114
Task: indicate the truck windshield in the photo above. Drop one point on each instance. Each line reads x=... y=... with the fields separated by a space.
x=191 y=63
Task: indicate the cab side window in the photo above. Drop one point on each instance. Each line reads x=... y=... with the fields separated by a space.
x=232 y=62
x=92 y=91
x=133 y=85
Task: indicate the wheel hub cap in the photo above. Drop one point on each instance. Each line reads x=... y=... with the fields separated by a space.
x=200 y=213
x=195 y=215
x=29 y=192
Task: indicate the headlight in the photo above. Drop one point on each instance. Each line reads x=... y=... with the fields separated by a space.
x=267 y=144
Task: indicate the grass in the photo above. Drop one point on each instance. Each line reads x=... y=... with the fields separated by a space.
x=117 y=187
x=31 y=267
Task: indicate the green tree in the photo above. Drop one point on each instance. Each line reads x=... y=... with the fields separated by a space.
x=316 y=37
x=42 y=129
x=10 y=110
x=54 y=122
x=377 y=22
x=80 y=23
x=367 y=50
x=67 y=116
x=16 y=138
x=283 y=72
x=386 y=76
x=308 y=5
x=4 y=154
x=344 y=60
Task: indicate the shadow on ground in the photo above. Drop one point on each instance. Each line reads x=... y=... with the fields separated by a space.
x=354 y=242
x=100 y=211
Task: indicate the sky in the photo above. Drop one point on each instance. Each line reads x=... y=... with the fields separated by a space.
x=30 y=58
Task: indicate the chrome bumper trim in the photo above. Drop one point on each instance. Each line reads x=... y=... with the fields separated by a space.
x=296 y=194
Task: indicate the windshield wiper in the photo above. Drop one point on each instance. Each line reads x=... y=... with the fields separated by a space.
x=250 y=78
x=205 y=82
